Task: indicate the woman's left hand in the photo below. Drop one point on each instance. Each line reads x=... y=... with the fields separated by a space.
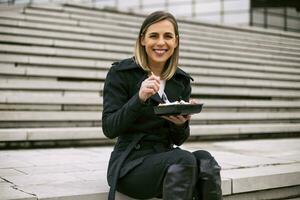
x=178 y=119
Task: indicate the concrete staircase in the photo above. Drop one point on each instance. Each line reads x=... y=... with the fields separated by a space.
x=54 y=59
x=255 y=169
x=53 y=63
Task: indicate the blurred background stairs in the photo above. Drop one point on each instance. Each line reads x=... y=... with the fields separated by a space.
x=54 y=59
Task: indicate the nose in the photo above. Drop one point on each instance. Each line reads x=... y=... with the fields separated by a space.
x=161 y=41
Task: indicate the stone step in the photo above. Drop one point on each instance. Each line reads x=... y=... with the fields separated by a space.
x=243 y=129
x=215 y=64
x=48 y=84
x=9 y=30
x=84 y=105
x=96 y=16
x=75 y=107
x=243 y=82
x=61 y=52
x=55 y=61
x=263 y=93
x=209 y=71
x=198 y=91
x=8 y=191
x=89 y=54
x=136 y=20
x=96 y=116
x=244 y=30
x=63 y=72
x=200 y=131
x=248 y=103
x=93 y=25
x=44 y=71
x=190 y=44
x=49 y=116
x=51 y=95
x=17 y=21
x=39 y=97
x=206 y=54
x=246 y=180
x=66 y=133
x=186 y=46
x=64 y=20
x=117 y=41
x=34 y=83
x=244 y=116
x=86 y=9
x=87 y=64
x=247 y=33
x=248 y=167
x=58 y=73
x=20 y=30
x=54 y=124
x=67 y=104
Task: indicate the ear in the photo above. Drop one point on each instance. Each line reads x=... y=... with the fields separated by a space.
x=142 y=40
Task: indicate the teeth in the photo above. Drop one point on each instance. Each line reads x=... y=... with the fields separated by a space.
x=160 y=50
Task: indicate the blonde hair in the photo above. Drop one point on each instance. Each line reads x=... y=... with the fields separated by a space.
x=140 y=52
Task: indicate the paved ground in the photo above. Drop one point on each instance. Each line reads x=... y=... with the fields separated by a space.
x=50 y=173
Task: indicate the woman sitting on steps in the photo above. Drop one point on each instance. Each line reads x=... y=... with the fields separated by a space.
x=144 y=163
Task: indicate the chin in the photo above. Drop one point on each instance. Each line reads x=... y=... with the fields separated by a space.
x=161 y=59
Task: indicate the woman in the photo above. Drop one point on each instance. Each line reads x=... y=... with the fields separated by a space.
x=144 y=163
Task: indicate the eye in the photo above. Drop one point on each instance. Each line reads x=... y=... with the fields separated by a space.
x=152 y=36
x=169 y=36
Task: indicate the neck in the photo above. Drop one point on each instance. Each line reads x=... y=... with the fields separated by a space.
x=156 y=72
x=157 y=69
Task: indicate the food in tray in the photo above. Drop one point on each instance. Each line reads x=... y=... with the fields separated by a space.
x=177 y=108
x=174 y=103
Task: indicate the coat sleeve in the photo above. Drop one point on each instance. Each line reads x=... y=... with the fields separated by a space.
x=179 y=134
x=119 y=110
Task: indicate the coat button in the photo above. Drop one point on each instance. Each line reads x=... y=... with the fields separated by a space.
x=137 y=146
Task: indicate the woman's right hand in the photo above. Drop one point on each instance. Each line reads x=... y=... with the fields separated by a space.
x=149 y=87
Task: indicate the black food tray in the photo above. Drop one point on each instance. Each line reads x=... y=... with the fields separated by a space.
x=178 y=109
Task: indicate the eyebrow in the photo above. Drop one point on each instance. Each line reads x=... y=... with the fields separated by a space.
x=154 y=33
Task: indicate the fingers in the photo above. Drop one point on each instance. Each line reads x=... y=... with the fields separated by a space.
x=149 y=87
x=193 y=101
x=151 y=84
x=153 y=76
x=178 y=119
x=154 y=80
x=148 y=91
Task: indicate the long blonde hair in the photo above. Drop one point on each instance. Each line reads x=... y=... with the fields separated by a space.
x=140 y=52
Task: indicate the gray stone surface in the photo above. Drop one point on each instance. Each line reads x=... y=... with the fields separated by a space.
x=80 y=173
x=8 y=191
x=262 y=178
x=10 y=172
x=38 y=134
x=285 y=193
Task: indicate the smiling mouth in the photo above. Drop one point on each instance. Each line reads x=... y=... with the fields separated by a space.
x=160 y=51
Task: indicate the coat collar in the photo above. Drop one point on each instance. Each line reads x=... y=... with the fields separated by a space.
x=172 y=86
x=130 y=63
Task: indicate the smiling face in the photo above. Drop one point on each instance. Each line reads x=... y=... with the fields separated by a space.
x=159 y=41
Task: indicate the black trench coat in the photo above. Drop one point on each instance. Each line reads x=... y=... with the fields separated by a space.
x=133 y=122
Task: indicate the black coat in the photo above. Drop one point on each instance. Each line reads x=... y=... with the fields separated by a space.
x=133 y=122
